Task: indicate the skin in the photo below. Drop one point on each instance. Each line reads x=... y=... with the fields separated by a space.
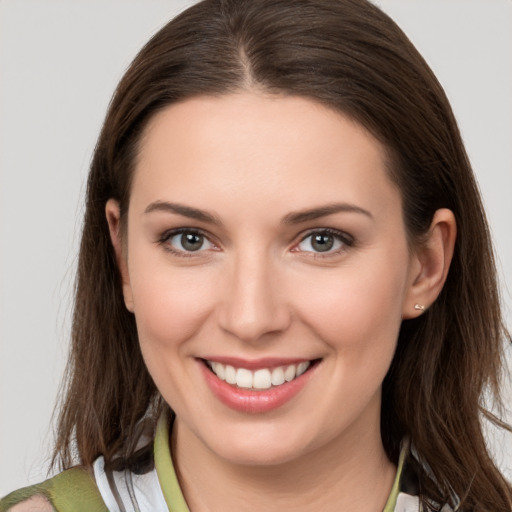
x=34 y=504
x=257 y=288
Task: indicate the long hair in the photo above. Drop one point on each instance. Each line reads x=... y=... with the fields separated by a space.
x=351 y=57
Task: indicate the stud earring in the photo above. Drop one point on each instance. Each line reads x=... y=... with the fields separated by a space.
x=419 y=307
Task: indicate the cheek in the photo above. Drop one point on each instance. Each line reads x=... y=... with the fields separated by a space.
x=354 y=309
x=169 y=305
x=170 y=308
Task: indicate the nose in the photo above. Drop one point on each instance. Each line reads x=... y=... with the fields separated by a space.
x=254 y=305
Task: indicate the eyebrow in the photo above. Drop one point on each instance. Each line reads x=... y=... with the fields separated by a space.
x=185 y=211
x=289 y=219
x=323 y=211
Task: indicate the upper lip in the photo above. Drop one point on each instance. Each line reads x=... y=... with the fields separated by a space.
x=255 y=364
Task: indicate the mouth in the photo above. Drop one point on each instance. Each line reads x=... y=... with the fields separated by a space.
x=262 y=378
x=260 y=386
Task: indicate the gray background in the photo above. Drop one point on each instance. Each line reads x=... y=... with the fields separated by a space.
x=59 y=64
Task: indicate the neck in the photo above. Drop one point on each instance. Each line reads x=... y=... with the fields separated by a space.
x=351 y=472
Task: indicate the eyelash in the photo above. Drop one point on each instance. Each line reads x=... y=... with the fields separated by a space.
x=345 y=239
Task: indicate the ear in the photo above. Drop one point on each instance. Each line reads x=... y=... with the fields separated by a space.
x=430 y=265
x=113 y=214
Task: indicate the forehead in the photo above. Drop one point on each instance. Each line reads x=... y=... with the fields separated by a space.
x=266 y=146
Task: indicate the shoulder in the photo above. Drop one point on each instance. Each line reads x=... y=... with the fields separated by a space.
x=73 y=490
x=28 y=499
x=34 y=504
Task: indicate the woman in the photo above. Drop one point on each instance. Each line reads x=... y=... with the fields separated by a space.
x=283 y=245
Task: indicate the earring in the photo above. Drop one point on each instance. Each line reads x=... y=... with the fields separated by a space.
x=419 y=307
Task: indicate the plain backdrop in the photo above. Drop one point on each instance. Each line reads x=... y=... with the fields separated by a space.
x=59 y=64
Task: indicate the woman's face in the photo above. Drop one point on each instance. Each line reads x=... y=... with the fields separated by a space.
x=265 y=239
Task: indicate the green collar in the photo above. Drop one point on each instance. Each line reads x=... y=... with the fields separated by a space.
x=165 y=468
x=395 y=490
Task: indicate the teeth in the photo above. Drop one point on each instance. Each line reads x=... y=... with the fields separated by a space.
x=262 y=379
x=277 y=376
x=243 y=378
x=230 y=374
x=259 y=379
x=219 y=370
x=302 y=367
x=290 y=372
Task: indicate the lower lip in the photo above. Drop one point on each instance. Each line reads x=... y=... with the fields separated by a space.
x=249 y=401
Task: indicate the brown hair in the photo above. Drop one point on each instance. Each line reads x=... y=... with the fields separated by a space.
x=350 y=56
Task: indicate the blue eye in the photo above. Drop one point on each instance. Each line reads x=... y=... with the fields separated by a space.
x=188 y=241
x=323 y=242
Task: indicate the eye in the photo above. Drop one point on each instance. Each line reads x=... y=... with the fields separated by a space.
x=324 y=241
x=186 y=241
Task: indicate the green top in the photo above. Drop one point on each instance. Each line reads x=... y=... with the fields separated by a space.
x=72 y=490
x=75 y=490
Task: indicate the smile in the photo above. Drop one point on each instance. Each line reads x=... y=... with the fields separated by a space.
x=263 y=378
x=257 y=386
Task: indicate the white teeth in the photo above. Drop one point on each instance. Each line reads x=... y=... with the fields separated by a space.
x=277 y=376
x=302 y=368
x=290 y=372
x=263 y=378
x=219 y=370
x=244 y=378
x=230 y=374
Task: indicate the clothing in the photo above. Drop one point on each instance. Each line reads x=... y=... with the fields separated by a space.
x=158 y=490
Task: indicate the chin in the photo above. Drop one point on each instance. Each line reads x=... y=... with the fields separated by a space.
x=259 y=446
x=258 y=455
